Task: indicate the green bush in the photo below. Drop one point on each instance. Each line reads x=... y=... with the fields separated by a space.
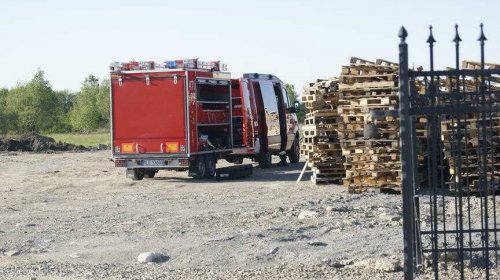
x=35 y=107
x=91 y=106
x=4 y=122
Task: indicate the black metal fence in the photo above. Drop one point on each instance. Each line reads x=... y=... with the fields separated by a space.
x=450 y=151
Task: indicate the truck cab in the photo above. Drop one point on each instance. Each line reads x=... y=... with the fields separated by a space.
x=268 y=124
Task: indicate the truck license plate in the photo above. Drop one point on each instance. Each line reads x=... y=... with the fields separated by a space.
x=153 y=162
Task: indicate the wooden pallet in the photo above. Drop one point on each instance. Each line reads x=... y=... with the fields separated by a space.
x=391 y=85
x=373 y=166
x=318 y=179
x=366 y=78
x=314 y=120
x=386 y=189
x=372 y=92
x=332 y=164
x=390 y=135
x=391 y=157
x=322 y=113
x=364 y=118
x=370 y=142
x=360 y=126
x=367 y=69
x=362 y=110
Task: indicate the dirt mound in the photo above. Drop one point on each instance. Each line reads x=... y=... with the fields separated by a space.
x=33 y=142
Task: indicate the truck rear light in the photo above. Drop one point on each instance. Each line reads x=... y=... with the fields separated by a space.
x=120 y=163
x=117 y=149
x=184 y=162
x=128 y=148
x=171 y=147
x=183 y=148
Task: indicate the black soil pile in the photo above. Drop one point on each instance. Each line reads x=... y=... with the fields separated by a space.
x=33 y=142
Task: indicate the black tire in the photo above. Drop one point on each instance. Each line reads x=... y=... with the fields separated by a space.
x=200 y=168
x=150 y=173
x=235 y=160
x=234 y=172
x=138 y=174
x=265 y=160
x=210 y=167
x=294 y=153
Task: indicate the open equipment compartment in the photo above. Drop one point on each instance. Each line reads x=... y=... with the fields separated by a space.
x=237 y=118
x=213 y=114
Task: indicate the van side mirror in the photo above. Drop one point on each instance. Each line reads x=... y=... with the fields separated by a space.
x=296 y=106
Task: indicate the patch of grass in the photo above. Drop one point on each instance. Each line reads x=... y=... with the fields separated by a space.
x=91 y=139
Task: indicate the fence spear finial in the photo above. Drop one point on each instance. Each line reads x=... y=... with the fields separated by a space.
x=457 y=38
x=402 y=34
x=457 y=41
x=482 y=38
x=431 y=39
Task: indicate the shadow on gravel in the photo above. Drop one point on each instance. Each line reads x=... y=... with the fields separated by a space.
x=288 y=173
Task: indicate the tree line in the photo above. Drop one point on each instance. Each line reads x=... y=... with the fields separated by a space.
x=35 y=107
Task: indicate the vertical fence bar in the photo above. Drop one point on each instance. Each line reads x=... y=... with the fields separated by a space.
x=484 y=164
x=418 y=259
x=431 y=93
x=458 y=163
x=406 y=158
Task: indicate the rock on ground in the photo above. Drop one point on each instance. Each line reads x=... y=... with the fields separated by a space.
x=12 y=253
x=307 y=214
x=150 y=257
x=385 y=264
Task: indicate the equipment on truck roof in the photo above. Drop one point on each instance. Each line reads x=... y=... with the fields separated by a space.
x=169 y=64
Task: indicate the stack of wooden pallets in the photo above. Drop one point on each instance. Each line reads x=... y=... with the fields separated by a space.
x=320 y=141
x=461 y=141
x=368 y=100
x=351 y=131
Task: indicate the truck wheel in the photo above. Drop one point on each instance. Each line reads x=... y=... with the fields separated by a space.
x=294 y=153
x=200 y=168
x=138 y=174
x=210 y=168
x=149 y=173
x=265 y=160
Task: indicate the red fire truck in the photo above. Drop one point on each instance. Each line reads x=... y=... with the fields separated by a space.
x=187 y=114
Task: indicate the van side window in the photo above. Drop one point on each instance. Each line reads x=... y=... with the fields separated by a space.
x=285 y=97
x=269 y=98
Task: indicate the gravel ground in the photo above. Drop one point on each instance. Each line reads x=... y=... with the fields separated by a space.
x=76 y=216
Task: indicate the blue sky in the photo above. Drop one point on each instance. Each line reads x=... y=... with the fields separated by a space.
x=297 y=41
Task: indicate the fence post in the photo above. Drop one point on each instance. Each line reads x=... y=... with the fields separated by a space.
x=406 y=157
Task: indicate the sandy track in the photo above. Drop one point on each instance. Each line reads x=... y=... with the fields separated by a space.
x=74 y=215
